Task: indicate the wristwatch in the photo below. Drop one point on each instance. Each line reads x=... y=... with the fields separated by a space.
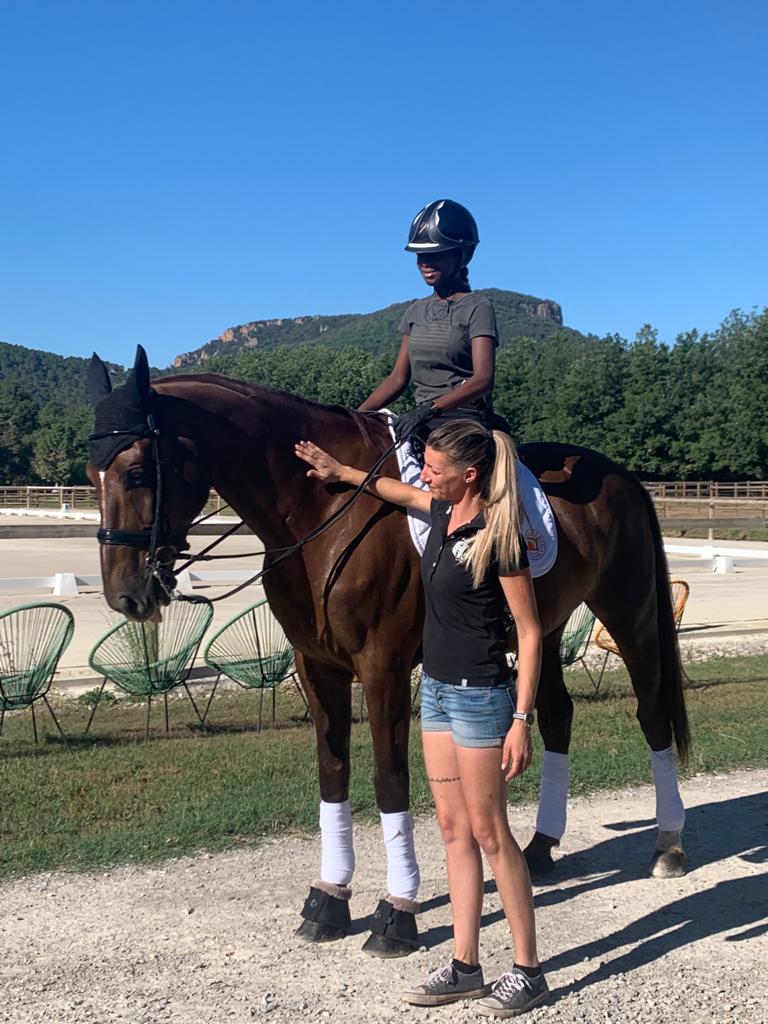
x=525 y=716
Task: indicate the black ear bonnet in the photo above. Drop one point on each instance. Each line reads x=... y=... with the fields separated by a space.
x=121 y=415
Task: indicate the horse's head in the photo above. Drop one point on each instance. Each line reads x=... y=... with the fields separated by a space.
x=151 y=484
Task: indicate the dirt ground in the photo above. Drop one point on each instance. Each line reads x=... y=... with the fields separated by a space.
x=210 y=940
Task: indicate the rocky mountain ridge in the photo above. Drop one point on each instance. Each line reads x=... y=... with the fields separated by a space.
x=518 y=315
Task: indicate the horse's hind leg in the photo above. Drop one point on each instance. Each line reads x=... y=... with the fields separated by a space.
x=326 y=909
x=555 y=714
x=640 y=645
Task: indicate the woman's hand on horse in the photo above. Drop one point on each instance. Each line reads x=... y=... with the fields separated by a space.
x=324 y=466
x=517 y=752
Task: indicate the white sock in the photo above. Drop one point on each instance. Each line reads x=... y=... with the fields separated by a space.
x=337 y=863
x=553 y=798
x=403 y=875
x=670 y=812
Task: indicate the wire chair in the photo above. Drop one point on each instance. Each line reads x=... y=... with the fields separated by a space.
x=575 y=639
x=253 y=651
x=149 y=659
x=679 y=591
x=33 y=638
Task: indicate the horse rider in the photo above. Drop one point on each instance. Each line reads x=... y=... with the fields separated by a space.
x=449 y=339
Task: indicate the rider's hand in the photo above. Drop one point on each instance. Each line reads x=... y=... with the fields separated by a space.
x=517 y=752
x=324 y=466
x=407 y=423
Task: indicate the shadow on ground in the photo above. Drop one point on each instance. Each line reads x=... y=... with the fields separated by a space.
x=714 y=832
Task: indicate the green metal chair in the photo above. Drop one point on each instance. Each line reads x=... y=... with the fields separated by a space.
x=149 y=659
x=575 y=639
x=32 y=639
x=679 y=590
x=253 y=651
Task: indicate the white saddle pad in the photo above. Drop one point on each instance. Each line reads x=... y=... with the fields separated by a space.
x=538 y=526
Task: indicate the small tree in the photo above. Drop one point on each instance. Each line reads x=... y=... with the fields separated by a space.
x=54 y=451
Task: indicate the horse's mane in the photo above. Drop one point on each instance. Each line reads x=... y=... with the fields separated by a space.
x=371 y=427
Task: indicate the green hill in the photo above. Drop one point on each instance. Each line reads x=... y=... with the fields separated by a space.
x=518 y=316
x=694 y=410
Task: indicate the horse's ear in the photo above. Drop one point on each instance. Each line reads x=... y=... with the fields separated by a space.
x=138 y=381
x=99 y=384
x=141 y=371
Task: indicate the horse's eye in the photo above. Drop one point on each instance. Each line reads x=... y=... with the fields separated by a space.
x=137 y=477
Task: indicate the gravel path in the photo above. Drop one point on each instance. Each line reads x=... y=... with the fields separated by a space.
x=209 y=940
x=693 y=647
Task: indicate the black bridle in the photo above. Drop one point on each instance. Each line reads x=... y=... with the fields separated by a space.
x=156 y=539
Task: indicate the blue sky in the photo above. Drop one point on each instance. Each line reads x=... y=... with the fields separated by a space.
x=169 y=169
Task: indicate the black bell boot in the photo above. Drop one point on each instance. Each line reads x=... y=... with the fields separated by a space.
x=325 y=913
x=393 y=928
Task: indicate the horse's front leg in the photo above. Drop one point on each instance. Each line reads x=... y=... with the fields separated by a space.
x=326 y=909
x=388 y=695
x=554 y=709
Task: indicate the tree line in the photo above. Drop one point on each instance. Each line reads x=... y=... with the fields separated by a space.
x=692 y=410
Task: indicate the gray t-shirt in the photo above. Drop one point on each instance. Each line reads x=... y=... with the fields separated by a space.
x=440 y=345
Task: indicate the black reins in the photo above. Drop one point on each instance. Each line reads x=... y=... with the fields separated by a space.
x=156 y=539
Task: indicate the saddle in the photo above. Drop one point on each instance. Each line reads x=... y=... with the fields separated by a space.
x=539 y=526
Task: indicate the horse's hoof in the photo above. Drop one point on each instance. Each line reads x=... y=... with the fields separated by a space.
x=393 y=928
x=314 y=931
x=385 y=948
x=325 y=913
x=669 y=864
x=538 y=855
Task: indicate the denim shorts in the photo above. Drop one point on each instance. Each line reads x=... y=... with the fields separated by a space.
x=478 y=716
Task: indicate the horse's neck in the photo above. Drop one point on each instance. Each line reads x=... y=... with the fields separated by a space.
x=248 y=441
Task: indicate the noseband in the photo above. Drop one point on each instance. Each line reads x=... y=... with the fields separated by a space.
x=154 y=539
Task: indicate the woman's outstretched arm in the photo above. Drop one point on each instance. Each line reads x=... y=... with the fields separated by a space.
x=331 y=471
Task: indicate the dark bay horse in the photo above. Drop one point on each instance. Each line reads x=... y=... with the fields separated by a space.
x=350 y=601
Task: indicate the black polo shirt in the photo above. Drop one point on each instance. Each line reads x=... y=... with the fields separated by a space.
x=465 y=634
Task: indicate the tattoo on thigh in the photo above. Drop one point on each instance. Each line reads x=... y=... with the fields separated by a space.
x=446 y=779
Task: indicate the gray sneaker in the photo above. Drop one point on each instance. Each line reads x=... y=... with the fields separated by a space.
x=513 y=994
x=446 y=985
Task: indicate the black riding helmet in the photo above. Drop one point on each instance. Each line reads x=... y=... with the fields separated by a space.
x=441 y=226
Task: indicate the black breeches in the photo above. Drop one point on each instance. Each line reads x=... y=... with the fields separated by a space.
x=422 y=432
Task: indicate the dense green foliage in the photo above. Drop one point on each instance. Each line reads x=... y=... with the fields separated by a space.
x=44 y=416
x=693 y=410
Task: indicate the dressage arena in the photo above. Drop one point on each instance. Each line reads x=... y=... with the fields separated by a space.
x=210 y=939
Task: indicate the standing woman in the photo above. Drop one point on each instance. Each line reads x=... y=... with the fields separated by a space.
x=476 y=725
x=449 y=339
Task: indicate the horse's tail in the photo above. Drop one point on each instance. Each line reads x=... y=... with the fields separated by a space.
x=672 y=673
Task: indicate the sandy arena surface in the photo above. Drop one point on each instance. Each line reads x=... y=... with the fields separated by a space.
x=725 y=614
x=210 y=940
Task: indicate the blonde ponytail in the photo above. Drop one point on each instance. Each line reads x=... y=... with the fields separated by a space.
x=501 y=537
x=493 y=454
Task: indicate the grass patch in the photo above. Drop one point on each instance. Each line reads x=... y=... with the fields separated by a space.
x=113 y=798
